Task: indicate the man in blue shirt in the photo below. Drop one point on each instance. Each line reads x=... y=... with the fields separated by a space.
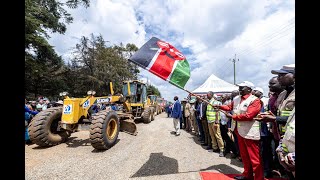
x=28 y=114
x=176 y=114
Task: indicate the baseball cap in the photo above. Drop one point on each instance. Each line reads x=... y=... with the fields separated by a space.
x=290 y=68
x=258 y=89
x=246 y=83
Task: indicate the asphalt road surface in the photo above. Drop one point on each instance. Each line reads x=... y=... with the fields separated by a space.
x=155 y=153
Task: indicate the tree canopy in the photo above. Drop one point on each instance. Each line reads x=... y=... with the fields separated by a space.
x=92 y=66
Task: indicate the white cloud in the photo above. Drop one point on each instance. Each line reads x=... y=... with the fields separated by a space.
x=261 y=33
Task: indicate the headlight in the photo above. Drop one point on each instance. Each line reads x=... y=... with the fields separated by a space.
x=64 y=93
x=93 y=92
x=60 y=94
x=89 y=92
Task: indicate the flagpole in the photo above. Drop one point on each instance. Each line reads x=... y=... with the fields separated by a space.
x=146 y=60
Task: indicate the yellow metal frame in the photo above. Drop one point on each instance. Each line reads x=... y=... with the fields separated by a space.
x=75 y=108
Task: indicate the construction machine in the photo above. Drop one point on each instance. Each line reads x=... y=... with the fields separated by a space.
x=153 y=103
x=162 y=103
x=104 y=117
x=137 y=102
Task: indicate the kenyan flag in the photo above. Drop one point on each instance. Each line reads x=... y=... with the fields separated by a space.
x=163 y=60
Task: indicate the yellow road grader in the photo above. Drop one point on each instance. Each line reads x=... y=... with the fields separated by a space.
x=103 y=116
x=152 y=101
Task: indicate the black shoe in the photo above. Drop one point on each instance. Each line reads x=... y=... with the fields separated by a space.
x=204 y=144
x=215 y=150
x=267 y=174
x=241 y=178
x=209 y=148
x=233 y=156
x=225 y=153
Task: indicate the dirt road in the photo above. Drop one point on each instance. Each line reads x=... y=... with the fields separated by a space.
x=154 y=153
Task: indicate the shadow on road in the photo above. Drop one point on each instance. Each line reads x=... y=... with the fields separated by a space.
x=73 y=142
x=99 y=150
x=39 y=147
x=234 y=161
x=157 y=165
x=196 y=140
x=223 y=168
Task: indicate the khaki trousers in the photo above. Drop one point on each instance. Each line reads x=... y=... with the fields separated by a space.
x=217 y=141
x=188 y=124
x=194 y=124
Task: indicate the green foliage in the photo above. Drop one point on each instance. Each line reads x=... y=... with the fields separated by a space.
x=93 y=65
x=152 y=90
x=44 y=69
x=96 y=65
x=42 y=16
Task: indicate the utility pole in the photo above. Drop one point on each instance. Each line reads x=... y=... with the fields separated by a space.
x=234 y=68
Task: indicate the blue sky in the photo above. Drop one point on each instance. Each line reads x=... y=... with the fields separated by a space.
x=208 y=32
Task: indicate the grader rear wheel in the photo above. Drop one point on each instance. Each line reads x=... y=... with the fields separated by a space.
x=43 y=128
x=104 y=129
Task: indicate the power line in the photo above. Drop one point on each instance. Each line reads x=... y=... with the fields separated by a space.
x=274 y=34
x=256 y=49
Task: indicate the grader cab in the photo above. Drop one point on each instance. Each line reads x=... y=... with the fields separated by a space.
x=137 y=101
x=104 y=117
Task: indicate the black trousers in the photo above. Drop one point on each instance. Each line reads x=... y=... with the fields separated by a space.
x=229 y=144
x=266 y=153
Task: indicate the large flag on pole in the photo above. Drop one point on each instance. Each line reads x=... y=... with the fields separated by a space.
x=163 y=60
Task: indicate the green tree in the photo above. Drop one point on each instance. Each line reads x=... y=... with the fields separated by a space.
x=45 y=71
x=95 y=65
x=43 y=16
x=152 y=90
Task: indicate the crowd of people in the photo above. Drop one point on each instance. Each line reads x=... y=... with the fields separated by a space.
x=255 y=129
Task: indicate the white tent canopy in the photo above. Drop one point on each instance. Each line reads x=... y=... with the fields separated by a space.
x=216 y=85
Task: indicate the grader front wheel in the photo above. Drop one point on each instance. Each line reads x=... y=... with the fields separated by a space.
x=104 y=129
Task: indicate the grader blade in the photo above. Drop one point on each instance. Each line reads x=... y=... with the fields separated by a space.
x=128 y=126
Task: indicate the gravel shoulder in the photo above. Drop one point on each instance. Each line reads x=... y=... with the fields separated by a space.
x=154 y=153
